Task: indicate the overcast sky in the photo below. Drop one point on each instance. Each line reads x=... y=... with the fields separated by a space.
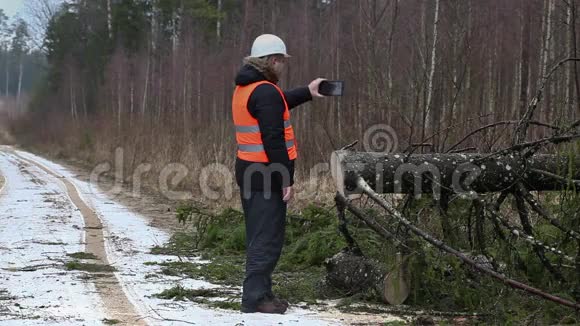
x=19 y=9
x=11 y=7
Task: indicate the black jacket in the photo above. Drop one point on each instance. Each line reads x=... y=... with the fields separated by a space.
x=267 y=106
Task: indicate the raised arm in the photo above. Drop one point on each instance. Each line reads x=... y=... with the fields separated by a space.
x=301 y=95
x=297 y=96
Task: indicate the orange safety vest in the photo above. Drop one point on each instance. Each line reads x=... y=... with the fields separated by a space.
x=248 y=136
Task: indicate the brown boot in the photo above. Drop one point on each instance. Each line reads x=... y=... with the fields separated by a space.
x=278 y=300
x=267 y=306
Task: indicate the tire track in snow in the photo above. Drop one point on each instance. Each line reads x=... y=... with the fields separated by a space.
x=129 y=238
x=117 y=304
x=36 y=235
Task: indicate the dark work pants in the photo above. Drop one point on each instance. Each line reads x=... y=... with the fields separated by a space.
x=265 y=220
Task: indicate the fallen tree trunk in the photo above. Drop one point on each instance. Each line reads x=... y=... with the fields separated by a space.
x=354 y=273
x=456 y=173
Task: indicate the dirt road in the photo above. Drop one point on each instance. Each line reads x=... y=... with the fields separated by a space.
x=43 y=204
x=73 y=256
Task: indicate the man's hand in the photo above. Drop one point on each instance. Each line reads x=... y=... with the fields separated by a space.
x=287 y=193
x=313 y=87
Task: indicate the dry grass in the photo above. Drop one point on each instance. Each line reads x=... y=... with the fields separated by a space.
x=5 y=135
x=147 y=154
x=2 y=181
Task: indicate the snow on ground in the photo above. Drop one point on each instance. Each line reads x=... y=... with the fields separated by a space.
x=38 y=227
x=129 y=239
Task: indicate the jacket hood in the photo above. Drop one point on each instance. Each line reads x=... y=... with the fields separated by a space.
x=248 y=75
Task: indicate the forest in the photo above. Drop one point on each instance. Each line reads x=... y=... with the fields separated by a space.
x=152 y=80
x=146 y=75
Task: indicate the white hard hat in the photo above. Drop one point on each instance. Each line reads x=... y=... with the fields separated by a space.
x=267 y=44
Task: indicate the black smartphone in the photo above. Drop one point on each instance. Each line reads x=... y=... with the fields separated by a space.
x=331 y=87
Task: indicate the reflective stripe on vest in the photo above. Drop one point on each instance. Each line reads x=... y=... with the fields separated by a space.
x=248 y=135
x=256 y=128
x=260 y=148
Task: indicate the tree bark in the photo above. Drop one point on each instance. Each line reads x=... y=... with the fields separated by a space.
x=109 y=20
x=218 y=27
x=575 y=51
x=7 y=69
x=354 y=273
x=455 y=173
x=20 y=71
x=428 y=115
x=524 y=57
x=146 y=86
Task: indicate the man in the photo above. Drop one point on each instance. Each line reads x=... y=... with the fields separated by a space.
x=265 y=159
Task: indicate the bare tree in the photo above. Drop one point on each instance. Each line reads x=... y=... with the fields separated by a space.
x=109 y=19
x=428 y=115
x=5 y=39
x=20 y=47
x=38 y=14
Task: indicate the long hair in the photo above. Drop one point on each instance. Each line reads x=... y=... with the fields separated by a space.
x=264 y=66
